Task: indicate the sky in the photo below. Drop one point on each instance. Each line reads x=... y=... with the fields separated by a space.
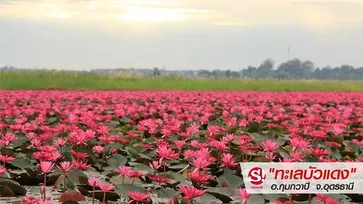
x=178 y=34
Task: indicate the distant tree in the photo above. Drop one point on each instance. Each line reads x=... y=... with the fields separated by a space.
x=295 y=69
x=307 y=68
x=228 y=73
x=156 y=72
x=235 y=74
x=204 y=73
x=250 y=72
x=267 y=65
x=265 y=69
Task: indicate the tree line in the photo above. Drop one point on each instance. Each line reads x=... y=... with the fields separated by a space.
x=292 y=69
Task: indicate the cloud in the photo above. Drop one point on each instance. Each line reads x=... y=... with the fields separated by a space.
x=312 y=14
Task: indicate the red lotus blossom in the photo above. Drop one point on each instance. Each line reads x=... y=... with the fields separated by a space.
x=125 y=171
x=6 y=159
x=113 y=151
x=55 y=156
x=203 y=153
x=106 y=187
x=243 y=193
x=199 y=177
x=156 y=164
x=98 y=149
x=31 y=200
x=8 y=138
x=297 y=156
x=138 y=197
x=333 y=144
x=193 y=129
x=179 y=143
x=188 y=153
x=228 y=160
x=107 y=139
x=166 y=153
x=132 y=134
x=337 y=128
x=319 y=152
x=47 y=149
x=200 y=163
x=79 y=155
x=60 y=142
x=137 y=174
x=214 y=130
x=304 y=144
x=78 y=138
x=36 y=143
x=191 y=192
x=2 y=170
x=327 y=199
x=159 y=179
x=269 y=145
x=228 y=138
x=80 y=165
x=195 y=143
x=93 y=181
x=219 y=145
x=295 y=142
x=46 y=166
x=65 y=166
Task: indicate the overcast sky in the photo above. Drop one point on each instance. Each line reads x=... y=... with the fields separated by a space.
x=178 y=34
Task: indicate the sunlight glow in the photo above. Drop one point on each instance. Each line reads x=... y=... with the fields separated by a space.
x=62 y=15
x=152 y=14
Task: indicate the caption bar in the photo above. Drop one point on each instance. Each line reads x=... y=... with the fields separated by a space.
x=303 y=178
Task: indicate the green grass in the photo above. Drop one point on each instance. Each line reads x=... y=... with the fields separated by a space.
x=69 y=81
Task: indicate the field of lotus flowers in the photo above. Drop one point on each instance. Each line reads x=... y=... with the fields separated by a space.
x=168 y=146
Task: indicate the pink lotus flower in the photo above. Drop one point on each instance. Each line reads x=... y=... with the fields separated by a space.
x=327 y=199
x=191 y=192
x=106 y=187
x=189 y=153
x=228 y=138
x=297 y=156
x=138 y=197
x=243 y=193
x=6 y=159
x=179 y=143
x=156 y=164
x=98 y=149
x=199 y=177
x=60 y=142
x=65 y=166
x=166 y=153
x=125 y=171
x=79 y=155
x=80 y=165
x=137 y=174
x=228 y=160
x=200 y=163
x=159 y=179
x=319 y=152
x=269 y=145
x=93 y=181
x=46 y=166
x=7 y=138
x=2 y=170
